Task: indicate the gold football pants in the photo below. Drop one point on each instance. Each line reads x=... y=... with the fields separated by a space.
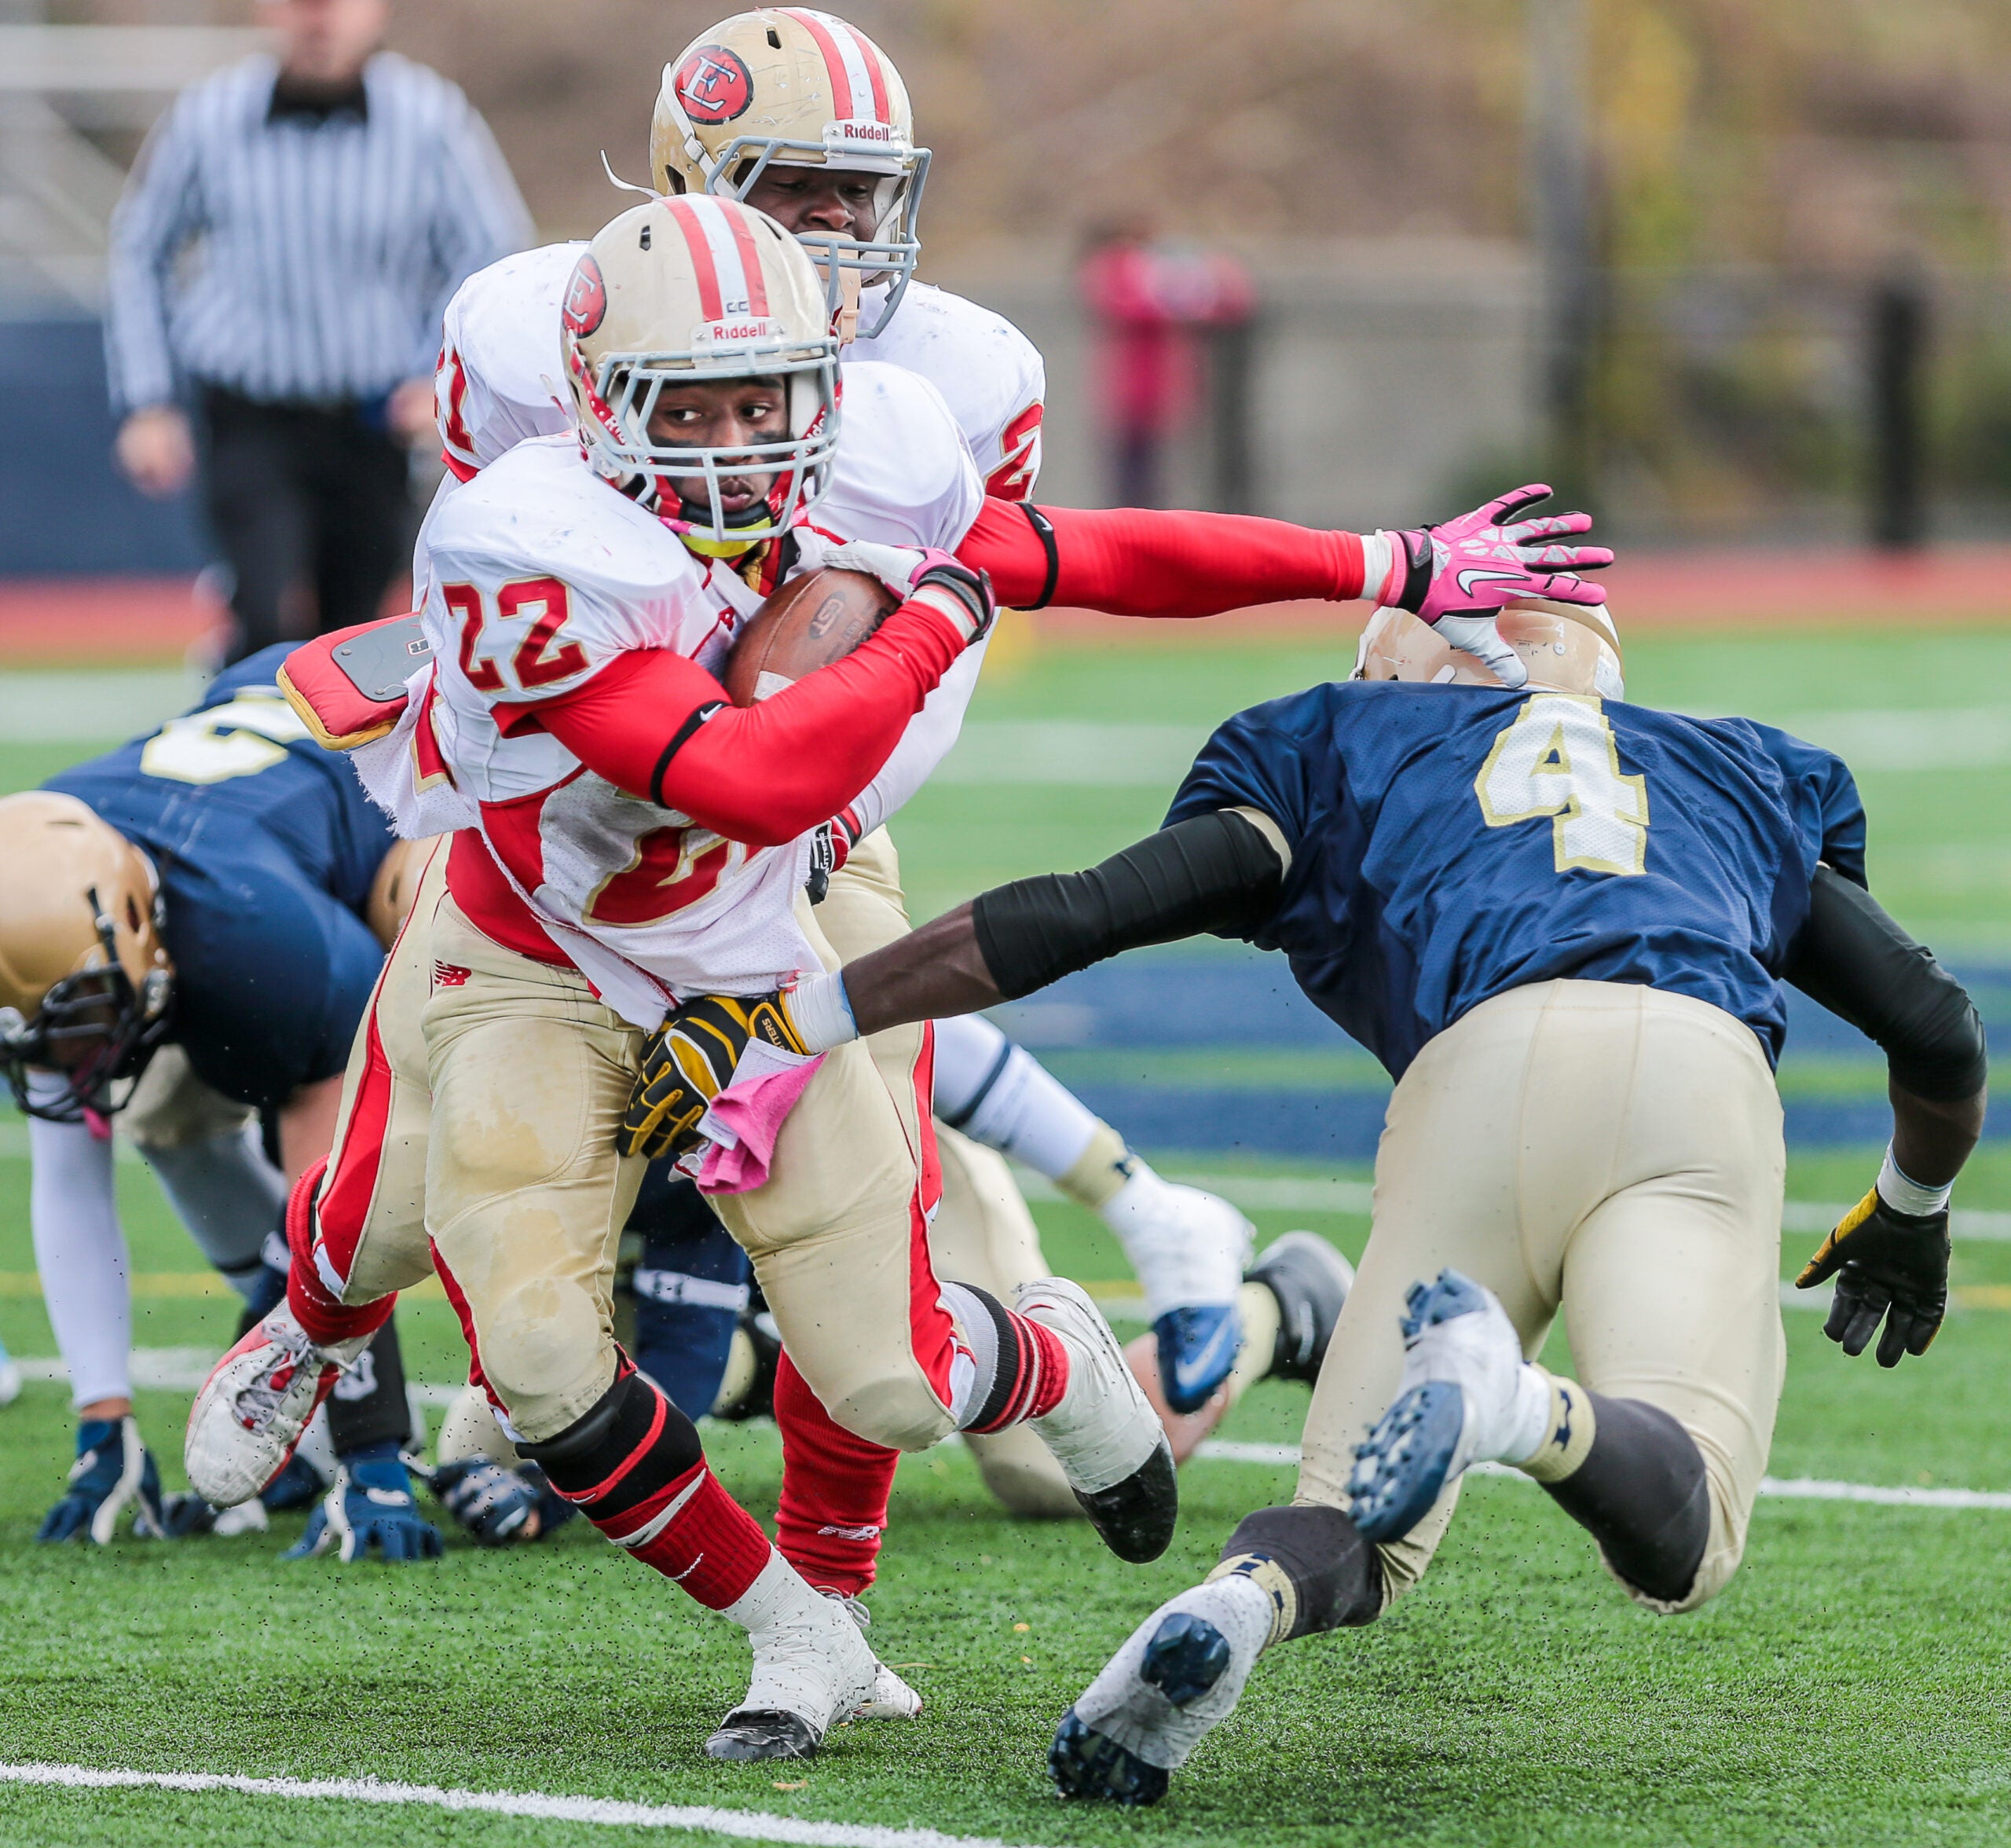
x=1610 y=1150
x=982 y=1233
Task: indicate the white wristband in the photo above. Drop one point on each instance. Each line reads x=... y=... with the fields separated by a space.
x=822 y=1012
x=1908 y=1197
x=1378 y=557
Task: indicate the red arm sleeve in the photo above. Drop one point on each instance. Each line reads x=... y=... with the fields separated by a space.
x=655 y=723
x=1129 y=561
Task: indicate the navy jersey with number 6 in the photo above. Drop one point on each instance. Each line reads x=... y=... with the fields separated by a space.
x=266 y=847
x=1451 y=842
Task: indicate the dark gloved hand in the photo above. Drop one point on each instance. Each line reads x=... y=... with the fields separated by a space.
x=1889 y=1266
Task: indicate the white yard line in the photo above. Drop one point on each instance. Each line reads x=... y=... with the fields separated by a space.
x=747 y=1825
x=1797 y=1488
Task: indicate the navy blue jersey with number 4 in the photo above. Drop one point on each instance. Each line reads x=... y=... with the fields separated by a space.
x=266 y=847
x=1451 y=842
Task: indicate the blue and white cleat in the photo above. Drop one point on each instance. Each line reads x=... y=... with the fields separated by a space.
x=1467 y=1396
x=10 y=1378
x=1179 y=1675
x=1197 y=1349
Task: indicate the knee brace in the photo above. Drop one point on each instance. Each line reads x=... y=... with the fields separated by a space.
x=1319 y=1572
x=630 y=1446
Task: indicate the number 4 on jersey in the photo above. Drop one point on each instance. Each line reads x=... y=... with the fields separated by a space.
x=1560 y=759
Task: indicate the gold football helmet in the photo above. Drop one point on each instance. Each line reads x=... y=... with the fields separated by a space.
x=686 y=291
x=85 y=981
x=1567 y=647
x=790 y=86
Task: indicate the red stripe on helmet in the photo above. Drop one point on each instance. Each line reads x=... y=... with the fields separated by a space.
x=712 y=305
x=870 y=53
x=834 y=60
x=750 y=261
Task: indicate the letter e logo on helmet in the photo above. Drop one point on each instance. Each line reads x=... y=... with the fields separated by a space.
x=713 y=85
x=586 y=298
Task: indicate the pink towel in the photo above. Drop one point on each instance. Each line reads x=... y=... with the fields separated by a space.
x=752 y=1111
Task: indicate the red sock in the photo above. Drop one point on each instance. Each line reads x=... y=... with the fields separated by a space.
x=314 y=1306
x=835 y=1486
x=1031 y=1374
x=711 y=1545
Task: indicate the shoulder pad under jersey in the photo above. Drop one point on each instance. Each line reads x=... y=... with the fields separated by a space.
x=991 y=375
x=499 y=380
x=903 y=473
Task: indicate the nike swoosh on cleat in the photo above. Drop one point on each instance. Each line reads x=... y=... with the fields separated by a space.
x=1189 y=1374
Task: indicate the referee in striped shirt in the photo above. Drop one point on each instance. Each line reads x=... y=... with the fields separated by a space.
x=282 y=255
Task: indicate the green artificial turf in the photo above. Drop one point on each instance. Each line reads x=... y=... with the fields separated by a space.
x=1850 y=1687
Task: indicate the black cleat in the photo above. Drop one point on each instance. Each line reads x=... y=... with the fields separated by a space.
x=1083 y=1763
x=1311 y=1282
x=751 y=1733
x=1136 y=1518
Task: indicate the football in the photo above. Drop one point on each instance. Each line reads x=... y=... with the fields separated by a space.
x=810 y=622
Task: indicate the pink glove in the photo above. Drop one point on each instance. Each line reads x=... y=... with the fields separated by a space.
x=1458 y=577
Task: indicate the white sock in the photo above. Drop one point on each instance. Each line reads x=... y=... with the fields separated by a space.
x=1529 y=1424
x=227 y=1195
x=80 y=1254
x=1000 y=1094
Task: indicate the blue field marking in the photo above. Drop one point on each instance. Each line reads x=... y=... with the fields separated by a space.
x=1248 y=1001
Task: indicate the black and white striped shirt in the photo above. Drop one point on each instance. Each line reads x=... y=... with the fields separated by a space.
x=298 y=258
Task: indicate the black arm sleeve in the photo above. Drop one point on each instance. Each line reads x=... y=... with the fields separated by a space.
x=1861 y=965
x=1216 y=872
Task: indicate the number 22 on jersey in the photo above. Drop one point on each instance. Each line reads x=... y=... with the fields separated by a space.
x=1560 y=761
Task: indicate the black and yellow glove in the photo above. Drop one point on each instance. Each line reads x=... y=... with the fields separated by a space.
x=689 y=1060
x=1890 y=1267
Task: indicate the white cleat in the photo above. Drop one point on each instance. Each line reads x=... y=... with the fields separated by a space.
x=1467 y=1396
x=1179 y=1675
x=1105 y=1433
x=255 y=1406
x=10 y=1379
x=891 y=1697
x=812 y=1668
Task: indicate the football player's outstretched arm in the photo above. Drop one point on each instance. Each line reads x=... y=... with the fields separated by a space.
x=657 y=723
x=1132 y=562
x=1889 y=1254
x=1221 y=871
x=1217 y=871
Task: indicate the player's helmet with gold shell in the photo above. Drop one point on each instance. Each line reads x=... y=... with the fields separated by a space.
x=684 y=291
x=790 y=86
x=85 y=982
x=1567 y=648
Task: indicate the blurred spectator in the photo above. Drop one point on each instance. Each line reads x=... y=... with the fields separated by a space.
x=284 y=249
x=1148 y=297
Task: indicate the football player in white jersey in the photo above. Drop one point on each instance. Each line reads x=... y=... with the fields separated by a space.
x=578 y=593
x=800 y=114
x=794 y=71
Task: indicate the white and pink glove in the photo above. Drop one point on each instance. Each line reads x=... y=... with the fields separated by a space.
x=1459 y=576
